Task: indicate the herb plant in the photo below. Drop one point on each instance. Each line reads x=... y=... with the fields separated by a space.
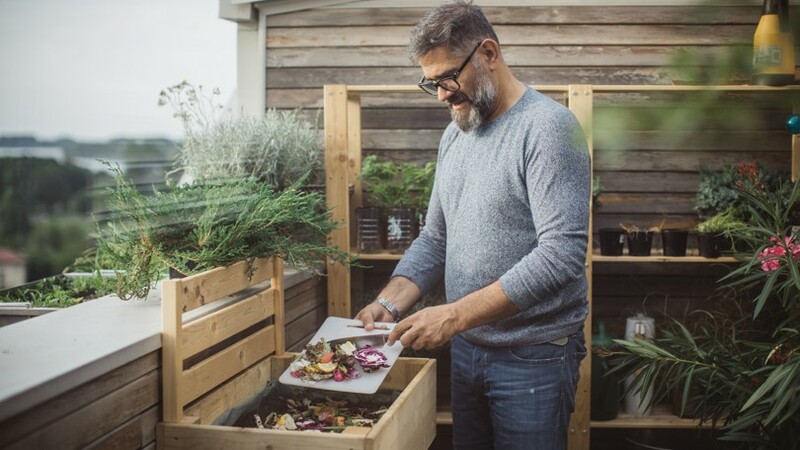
x=738 y=365
x=279 y=148
x=61 y=291
x=198 y=227
x=391 y=183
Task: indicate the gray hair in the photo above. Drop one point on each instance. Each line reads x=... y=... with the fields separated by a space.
x=458 y=26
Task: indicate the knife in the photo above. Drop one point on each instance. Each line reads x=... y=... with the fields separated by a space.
x=373 y=340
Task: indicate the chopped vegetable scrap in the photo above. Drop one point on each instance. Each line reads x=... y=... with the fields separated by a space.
x=329 y=415
x=320 y=361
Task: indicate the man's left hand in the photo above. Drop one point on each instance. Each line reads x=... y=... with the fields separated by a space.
x=426 y=329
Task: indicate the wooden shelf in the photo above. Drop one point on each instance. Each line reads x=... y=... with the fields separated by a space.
x=378 y=256
x=659 y=418
x=666 y=259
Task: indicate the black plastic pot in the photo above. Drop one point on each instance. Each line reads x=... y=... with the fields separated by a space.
x=707 y=245
x=370 y=229
x=640 y=243
x=611 y=241
x=674 y=241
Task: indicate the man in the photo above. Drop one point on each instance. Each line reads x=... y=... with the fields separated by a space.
x=507 y=228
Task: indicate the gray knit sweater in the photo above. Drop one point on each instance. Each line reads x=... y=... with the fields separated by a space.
x=511 y=202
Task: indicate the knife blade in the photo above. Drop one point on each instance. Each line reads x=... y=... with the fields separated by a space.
x=373 y=340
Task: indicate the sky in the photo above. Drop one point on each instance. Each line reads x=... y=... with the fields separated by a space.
x=91 y=70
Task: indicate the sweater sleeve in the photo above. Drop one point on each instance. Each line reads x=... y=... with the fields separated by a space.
x=558 y=182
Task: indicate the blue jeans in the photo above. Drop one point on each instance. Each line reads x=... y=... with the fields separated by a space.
x=518 y=397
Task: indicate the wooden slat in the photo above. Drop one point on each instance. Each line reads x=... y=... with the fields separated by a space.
x=581 y=104
x=216 y=283
x=302 y=329
x=337 y=159
x=214 y=328
x=618 y=34
x=544 y=15
x=515 y=55
x=214 y=370
x=133 y=434
x=171 y=365
x=413 y=410
x=316 y=77
x=210 y=437
x=33 y=420
x=235 y=392
x=729 y=140
x=278 y=305
x=104 y=415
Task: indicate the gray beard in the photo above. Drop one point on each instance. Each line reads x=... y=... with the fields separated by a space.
x=479 y=107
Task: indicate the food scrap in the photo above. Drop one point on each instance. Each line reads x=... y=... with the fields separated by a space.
x=330 y=416
x=320 y=361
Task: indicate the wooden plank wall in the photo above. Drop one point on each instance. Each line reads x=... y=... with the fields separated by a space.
x=119 y=410
x=647 y=153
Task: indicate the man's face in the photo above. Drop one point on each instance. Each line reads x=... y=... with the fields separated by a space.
x=477 y=97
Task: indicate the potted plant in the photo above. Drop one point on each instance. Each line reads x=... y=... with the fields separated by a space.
x=640 y=240
x=737 y=366
x=278 y=148
x=392 y=186
x=714 y=235
x=193 y=228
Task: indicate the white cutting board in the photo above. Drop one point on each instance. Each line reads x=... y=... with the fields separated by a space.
x=367 y=383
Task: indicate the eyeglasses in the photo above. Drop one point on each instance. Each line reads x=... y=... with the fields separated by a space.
x=448 y=83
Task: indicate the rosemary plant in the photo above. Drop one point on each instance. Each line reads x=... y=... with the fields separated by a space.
x=193 y=228
x=739 y=366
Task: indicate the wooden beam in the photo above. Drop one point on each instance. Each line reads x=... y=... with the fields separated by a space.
x=580 y=103
x=337 y=172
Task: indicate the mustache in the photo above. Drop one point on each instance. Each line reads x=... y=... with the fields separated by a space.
x=457 y=98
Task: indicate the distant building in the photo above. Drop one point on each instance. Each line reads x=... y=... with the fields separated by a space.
x=12 y=268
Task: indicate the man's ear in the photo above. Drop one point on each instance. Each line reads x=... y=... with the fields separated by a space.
x=490 y=53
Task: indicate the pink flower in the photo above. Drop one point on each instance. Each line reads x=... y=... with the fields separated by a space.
x=770 y=257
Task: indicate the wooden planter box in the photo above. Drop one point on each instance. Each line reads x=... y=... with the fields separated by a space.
x=217 y=362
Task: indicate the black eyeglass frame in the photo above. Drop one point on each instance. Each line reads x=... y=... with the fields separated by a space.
x=432 y=86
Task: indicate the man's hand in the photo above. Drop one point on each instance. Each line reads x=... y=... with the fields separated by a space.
x=429 y=328
x=372 y=313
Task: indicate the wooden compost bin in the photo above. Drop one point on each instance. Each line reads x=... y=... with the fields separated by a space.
x=237 y=347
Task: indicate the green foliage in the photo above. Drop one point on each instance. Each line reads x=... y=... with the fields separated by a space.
x=279 y=148
x=722 y=222
x=54 y=243
x=198 y=227
x=721 y=189
x=739 y=364
x=717 y=191
x=30 y=187
x=61 y=291
x=391 y=183
x=597 y=190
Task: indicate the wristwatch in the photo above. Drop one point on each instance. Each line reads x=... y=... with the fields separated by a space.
x=383 y=301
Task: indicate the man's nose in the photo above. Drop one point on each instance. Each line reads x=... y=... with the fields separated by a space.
x=442 y=94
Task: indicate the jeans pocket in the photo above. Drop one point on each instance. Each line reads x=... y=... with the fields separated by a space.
x=537 y=353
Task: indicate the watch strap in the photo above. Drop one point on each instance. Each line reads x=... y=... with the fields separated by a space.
x=383 y=301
